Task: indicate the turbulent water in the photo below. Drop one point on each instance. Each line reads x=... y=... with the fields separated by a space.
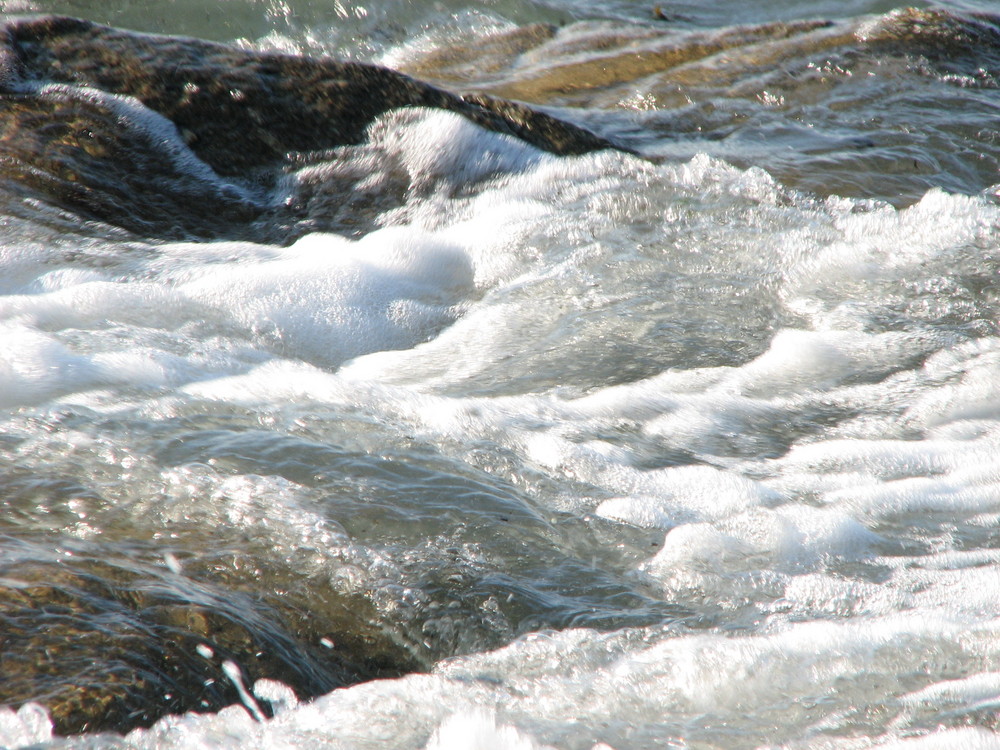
x=692 y=448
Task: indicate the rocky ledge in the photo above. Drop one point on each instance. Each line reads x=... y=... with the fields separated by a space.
x=72 y=131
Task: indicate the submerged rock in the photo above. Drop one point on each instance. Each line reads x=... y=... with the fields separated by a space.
x=597 y=64
x=106 y=645
x=176 y=137
x=853 y=107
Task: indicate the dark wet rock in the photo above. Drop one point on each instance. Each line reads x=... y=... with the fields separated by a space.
x=936 y=33
x=71 y=130
x=105 y=647
x=225 y=126
x=83 y=156
x=95 y=626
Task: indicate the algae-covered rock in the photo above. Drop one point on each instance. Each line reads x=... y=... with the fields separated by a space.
x=106 y=647
x=108 y=630
x=172 y=137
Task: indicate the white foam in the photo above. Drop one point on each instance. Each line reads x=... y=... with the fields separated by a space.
x=687 y=493
x=29 y=725
x=82 y=301
x=761 y=686
x=881 y=459
x=30 y=253
x=969 y=387
x=35 y=367
x=323 y=300
x=973 y=589
x=706 y=174
x=804 y=619
x=892 y=478
x=966 y=738
x=527 y=237
x=973 y=693
x=792 y=537
x=798 y=361
x=557 y=435
x=279 y=696
x=903 y=497
x=478 y=731
x=280 y=380
x=326 y=299
x=437 y=146
x=825 y=595
x=861 y=263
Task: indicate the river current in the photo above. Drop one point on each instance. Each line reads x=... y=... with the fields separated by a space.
x=696 y=447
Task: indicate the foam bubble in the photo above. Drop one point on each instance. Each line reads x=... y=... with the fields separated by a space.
x=326 y=299
x=792 y=537
x=479 y=731
x=29 y=725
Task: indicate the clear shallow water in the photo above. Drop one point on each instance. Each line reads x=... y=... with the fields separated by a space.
x=693 y=450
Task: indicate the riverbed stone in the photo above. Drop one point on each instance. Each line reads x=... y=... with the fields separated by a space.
x=106 y=646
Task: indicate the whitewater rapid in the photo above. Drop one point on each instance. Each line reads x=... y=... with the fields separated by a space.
x=601 y=451
x=812 y=496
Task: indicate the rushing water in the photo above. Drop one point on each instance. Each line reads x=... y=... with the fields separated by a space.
x=698 y=448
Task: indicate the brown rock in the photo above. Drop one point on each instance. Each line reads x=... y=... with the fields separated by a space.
x=242 y=113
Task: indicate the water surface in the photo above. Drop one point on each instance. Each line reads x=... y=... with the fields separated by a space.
x=698 y=447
